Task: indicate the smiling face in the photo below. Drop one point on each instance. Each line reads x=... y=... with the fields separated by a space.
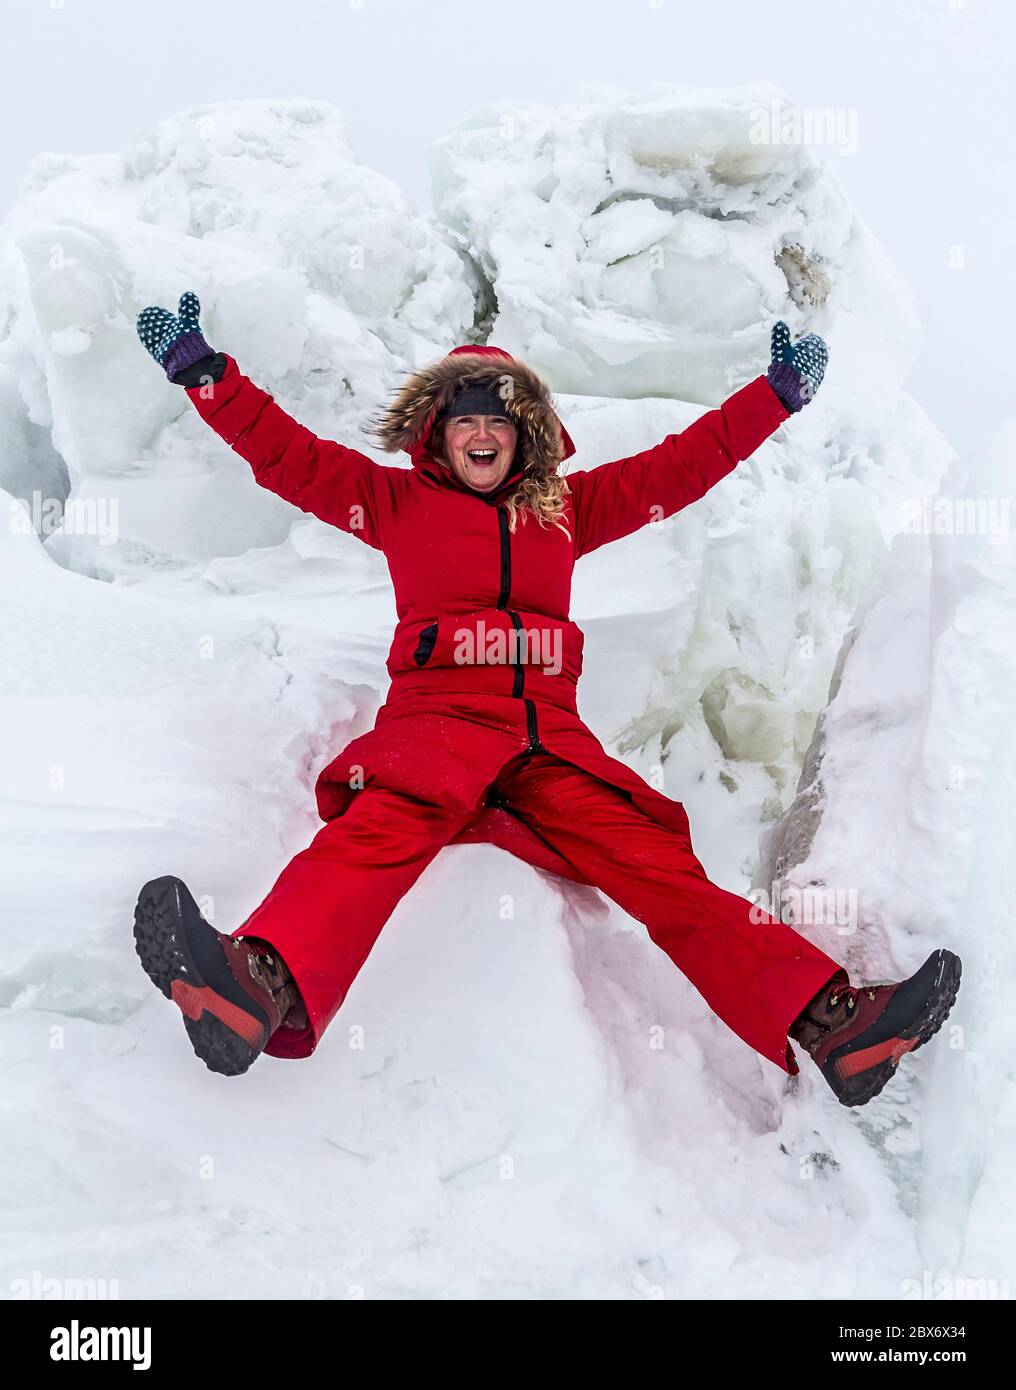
x=479 y=449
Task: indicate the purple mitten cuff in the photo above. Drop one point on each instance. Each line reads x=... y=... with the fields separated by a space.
x=794 y=390
x=187 y=349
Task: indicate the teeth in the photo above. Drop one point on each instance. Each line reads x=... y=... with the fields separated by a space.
x=482 y=453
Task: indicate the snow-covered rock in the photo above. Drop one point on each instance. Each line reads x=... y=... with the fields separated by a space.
x=647 y=244
x=310 y=267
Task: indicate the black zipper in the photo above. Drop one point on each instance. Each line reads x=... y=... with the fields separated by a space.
x=518 y=672
x=506 y=558
x=535 y=746
x=519 y=675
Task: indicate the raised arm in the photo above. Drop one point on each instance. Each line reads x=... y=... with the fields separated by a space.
x=618 y=498
x=339 y=485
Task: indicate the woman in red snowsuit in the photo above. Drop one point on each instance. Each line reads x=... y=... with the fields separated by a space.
x=479 y=738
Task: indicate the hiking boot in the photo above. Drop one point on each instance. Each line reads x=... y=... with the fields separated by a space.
x=856 y=1037
x=233 y=992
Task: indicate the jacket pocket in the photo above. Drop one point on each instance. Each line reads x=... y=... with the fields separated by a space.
x=425 y=646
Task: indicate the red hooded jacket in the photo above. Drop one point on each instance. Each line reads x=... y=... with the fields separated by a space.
x=485 y=658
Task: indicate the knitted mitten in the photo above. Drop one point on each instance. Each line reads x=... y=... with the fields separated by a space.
x=797 y=369
x=174 y=340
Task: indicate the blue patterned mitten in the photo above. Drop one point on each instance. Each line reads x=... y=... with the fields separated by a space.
x=797 y=369
x=174 y=340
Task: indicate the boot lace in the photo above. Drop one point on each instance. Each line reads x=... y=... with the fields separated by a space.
x=850 y=995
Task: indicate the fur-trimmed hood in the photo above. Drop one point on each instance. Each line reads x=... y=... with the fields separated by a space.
x=407 y=422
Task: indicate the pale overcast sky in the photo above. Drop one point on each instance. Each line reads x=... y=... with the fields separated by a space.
x=931 y=81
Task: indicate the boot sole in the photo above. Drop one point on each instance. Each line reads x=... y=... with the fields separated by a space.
x=183 y=956
x=939 y=979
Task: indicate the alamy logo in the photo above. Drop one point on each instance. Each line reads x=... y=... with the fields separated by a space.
x=957 y=516
x=40 y=1286
x=79 y=516
x=813 y=905
x=779 y=124
x=77 y=1343
x=535 y=646
x=949 y=1287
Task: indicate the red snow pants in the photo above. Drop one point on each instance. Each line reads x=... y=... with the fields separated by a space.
x=329 y=904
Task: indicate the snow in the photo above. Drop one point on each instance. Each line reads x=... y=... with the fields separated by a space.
x=521 y=1096
x=927 y=736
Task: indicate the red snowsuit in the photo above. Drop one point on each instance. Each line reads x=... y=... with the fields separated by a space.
x=479 y=737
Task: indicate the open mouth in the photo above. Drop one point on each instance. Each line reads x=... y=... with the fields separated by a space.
x=481 y=455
